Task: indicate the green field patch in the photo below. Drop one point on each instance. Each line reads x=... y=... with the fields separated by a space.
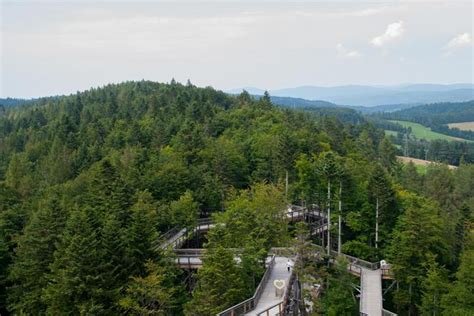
x=423 y=132
x=391 y=133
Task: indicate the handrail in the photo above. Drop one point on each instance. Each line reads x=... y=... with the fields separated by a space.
x=280 y=306
x=162 y=240
x=250 y=303
x=353 y=260
x=387 y=313
x=204 y=221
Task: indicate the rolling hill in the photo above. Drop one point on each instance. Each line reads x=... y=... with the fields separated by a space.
x=360 y=95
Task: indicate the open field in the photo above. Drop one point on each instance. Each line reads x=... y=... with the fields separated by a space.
x=420 y=131
x=420 y=164
x=390 y=133
x=465 y=126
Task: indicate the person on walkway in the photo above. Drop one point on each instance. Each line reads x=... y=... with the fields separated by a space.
x=288 y=265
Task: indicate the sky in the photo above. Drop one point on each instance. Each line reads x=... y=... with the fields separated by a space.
x=60 y=47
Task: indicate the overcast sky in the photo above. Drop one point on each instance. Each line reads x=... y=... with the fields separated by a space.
x=55 y=47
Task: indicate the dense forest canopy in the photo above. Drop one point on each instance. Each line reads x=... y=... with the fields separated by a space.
x=89 y=181
x=436 y=113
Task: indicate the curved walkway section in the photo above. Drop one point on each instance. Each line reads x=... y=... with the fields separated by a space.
x=269 y=297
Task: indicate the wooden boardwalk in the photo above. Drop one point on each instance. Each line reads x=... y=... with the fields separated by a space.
x=371 y=292
x=267 y=302
x=268 y=298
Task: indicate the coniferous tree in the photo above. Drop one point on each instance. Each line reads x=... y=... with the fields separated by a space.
x=339 y=298
x=417 y=238
x=77 y=284
x=381 y=197
x=33 y=256
x=184 y=212
x=142 y=233
x=13 y=217
x=219 y=284
x=433 y=288
x=153 y=294
x=460 y=298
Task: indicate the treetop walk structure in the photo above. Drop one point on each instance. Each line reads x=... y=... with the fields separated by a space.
x=265 y=301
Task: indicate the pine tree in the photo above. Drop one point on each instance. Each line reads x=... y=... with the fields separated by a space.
x=434 y=286
x=219 y=284
x=185 y=211
x=460 y=298
x=107 y=192
x=381 y=196
x=339 y=298
x=153 y=294
x=142 y=232
x=411 y=179
x=13 y=217
x=34 y=254
x=329 y=169
x=417 y=238
x=77 y=284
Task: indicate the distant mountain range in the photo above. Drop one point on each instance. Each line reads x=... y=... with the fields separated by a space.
x=368 y=96
x=13 y=101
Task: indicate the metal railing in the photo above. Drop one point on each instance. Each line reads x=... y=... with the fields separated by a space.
x=249 y=304
x=278 y=306
x=387 y=313
x=295 y=212
x=352 y=260
x=355 y=269
x=176 y=236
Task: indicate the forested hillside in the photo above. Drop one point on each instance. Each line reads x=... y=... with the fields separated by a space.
x=12 y=102
x=437 y=116
x=89 y=181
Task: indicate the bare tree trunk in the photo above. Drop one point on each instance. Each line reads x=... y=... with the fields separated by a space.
x=377 y=224
x=286 y=185
x=339 y=222
x=329 y=216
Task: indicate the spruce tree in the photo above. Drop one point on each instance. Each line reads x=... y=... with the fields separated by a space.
x=77 y=284
x=219 y=284
x=155 y=293
x=460 y=298
x=33 y=256
x=141 y=234
x=433 y=286
x=417 y=239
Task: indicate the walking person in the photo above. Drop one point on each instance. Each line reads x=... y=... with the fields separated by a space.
x=288 y=265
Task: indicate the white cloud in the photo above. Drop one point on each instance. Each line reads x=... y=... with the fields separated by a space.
x=393 y=31
x=344 y=52
x=462 y=40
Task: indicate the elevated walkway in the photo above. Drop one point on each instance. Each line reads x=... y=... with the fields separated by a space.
x=268 y=298
x=371 y=300
x=176 y=236
x=265 y=302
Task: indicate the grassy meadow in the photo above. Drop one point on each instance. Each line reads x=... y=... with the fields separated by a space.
x=423 y=132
